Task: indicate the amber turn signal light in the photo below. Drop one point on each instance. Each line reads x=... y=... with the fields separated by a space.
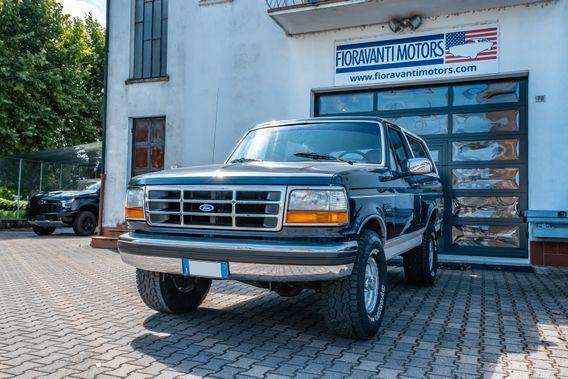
x=310 y=217
x=134 y=213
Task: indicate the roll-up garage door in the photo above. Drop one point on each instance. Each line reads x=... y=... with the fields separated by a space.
x=477 y=133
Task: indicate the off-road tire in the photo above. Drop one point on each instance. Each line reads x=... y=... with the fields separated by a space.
x=417 y=268
x=343 y=300
x=85 y=223
x=43 y=231
x=159 y=292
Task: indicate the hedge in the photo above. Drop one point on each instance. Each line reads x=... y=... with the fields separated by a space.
x=12 y=205
x=11 y=215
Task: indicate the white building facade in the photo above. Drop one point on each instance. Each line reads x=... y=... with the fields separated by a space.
x=483 y=82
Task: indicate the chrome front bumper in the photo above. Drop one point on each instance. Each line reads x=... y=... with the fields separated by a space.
x=248 y=259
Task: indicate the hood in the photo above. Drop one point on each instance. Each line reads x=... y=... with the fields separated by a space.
x=258 y=173
x=61 y=195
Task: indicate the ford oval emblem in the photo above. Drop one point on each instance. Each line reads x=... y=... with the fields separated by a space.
x=206 y=207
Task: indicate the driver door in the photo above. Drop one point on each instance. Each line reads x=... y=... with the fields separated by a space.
x=404 y=217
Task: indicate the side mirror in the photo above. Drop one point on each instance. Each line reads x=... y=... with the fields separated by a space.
x=419 y=166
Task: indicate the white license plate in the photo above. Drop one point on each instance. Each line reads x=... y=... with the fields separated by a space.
x=215 y=270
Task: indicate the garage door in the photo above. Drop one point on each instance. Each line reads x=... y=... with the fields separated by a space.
x=477 y=132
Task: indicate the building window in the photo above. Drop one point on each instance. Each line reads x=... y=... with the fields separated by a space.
x=150 y=39
x=148 y=145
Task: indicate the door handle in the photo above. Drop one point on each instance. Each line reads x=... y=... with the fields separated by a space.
x=387 y=208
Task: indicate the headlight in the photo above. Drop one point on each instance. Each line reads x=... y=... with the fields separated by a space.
x=67 y=203
x=317 y=207
x=134 y=209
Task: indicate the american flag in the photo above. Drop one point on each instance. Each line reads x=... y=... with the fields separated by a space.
x=477 y=39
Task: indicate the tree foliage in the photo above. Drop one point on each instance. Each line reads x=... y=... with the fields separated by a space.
x=51 y=77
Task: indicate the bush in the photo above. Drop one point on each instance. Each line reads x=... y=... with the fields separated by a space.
x=7 y=193
x=11 y=215
x=12 y=205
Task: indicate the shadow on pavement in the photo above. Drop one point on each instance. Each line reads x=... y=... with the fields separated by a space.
x=466 y=324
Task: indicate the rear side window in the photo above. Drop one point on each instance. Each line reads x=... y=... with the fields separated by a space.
x=399 y=147
x=418 y=149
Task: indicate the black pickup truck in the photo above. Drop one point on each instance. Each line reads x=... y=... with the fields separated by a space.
x=318 y=204
x=77 y=206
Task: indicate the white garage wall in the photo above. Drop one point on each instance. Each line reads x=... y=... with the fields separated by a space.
x=231 y=67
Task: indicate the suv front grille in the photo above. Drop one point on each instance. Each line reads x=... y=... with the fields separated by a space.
x=216 y=207
x=37 y=207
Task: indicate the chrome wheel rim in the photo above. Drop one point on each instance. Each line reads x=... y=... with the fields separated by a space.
x=431 y=251
x=371 y=285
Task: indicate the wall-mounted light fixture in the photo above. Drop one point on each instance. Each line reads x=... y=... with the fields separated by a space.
x=398 y=24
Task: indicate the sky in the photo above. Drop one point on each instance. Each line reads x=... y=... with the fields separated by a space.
x=78 y=8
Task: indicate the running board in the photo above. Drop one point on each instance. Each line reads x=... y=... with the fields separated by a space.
x=402 y=244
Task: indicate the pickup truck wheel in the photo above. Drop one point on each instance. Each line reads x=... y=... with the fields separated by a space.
x=43 y=231
x=354 y=307
x=169 y=293
x=85 y=223
x=421 y=263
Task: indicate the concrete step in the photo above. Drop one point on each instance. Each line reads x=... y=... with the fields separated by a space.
x=100 y=242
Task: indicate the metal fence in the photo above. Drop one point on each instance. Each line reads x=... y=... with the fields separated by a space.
x=22 y=177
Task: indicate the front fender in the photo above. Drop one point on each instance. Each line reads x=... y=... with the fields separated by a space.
x=365 y=211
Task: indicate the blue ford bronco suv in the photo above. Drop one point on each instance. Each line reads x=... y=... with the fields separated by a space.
x=319 y=204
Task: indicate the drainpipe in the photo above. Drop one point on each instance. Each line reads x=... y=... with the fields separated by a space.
x=105 y=100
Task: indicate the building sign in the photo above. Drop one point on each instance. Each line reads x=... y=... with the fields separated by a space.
x=459 y=52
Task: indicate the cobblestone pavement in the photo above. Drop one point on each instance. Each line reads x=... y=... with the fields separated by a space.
x=67 y=310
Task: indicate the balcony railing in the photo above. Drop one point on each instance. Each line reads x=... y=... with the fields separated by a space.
x=276 y=4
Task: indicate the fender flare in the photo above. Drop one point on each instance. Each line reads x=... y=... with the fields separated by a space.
x=437 y=224
x=382 y=225
x=89 y=207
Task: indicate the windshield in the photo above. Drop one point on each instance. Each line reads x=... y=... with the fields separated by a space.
x=83 y=185
x=351 y=142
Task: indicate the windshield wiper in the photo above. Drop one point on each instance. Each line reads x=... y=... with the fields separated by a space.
x=244 y=160
x=321 y=156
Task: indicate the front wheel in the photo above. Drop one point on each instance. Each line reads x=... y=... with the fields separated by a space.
x=421 y=263
x=168 y=293
x=85 y=223
x=354 y=307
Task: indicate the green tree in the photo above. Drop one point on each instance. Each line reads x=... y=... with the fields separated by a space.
x=51 y=77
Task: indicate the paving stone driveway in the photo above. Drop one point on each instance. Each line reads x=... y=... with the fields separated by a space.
x=67 y=310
